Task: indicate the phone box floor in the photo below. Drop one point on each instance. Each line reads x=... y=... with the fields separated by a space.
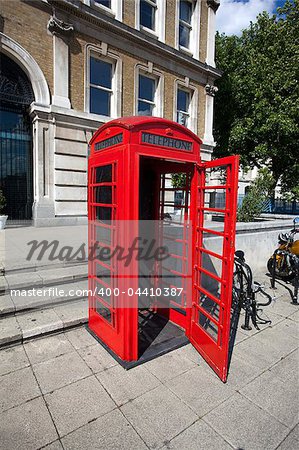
x=157 y=336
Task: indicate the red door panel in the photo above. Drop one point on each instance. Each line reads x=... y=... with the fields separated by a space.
x=107 y=314
x=213 y=258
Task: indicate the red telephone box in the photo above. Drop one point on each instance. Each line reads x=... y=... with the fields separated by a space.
x=133 y=165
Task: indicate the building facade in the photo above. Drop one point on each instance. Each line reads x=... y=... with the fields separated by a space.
x=69 y=66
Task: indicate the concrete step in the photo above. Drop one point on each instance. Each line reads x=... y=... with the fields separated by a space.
x=40 y=278
x=21 y=326
x=35 y=297
x=37 y=266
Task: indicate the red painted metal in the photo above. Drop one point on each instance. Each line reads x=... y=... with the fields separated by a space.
x=209 y=331
x=168 y=147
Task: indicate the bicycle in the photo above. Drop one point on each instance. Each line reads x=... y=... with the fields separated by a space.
x=246 y=291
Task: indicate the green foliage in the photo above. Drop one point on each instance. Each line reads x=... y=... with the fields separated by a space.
x=2 y=202
x=256 y=108
x=254 y=200
x=178 y=180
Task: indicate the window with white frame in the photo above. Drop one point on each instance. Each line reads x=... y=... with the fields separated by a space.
x=185 y=112
x=110 y=7
x=100 y=86
x=185 y=25
x=106 y=3
x=147 y=87
x=183 y=107
x=150 y=17
x=103 y=84
x=149 y=94
x=188 y=25
x=148 y=14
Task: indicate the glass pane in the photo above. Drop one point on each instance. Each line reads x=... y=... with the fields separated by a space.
x=147 y=14
x=106 y=3
x=208 y=326
x=103 y=273
x=104 y=254
x=146 y=88
x=103 y=234
x=145 y=109
x=212 y=263
x=103 y=194
x=104 y=173
x=183 y=100
x=185 y=10
x=182 y=118
x=209 y=305
x=184 y=36
x=100 y=101
x=103 y=213
x=100 y=73
x=103 y=311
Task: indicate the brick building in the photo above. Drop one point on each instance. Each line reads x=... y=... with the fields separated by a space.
x=68 y=66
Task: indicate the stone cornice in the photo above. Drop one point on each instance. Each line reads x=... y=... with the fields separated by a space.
x=92 y=22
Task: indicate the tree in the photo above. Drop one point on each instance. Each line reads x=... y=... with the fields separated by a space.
x=253 y=203
x=256 y=108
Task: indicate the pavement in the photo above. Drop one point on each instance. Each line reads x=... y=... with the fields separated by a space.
x=64 y=391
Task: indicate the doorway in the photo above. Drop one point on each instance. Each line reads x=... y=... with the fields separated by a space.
x=164 y=213
x=16 y=173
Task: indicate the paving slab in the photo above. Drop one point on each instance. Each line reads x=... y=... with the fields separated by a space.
x=97 y=358
x=287 y=328
x=10 y=330
x=283 y=336
x=17 y=387
x=198 y=436
x=170 y=365
x=291 y=442
x=189 y=352
x=54 y=446
x=287 y=368
x=12 y=359
x=73 y=313
x=278 y=397
x=110 y=432
x=158 y=416
x=294 y=316
x=39 y=350
x=202 y=396
x=6 y=304
x=80 y=337
x=242 y=371
x=246 y=426
x=264 y=350
x=283 y=307
x=125 y=385
x=58 y=372
x=77 y=404
x=27 y=427
x=35 y=323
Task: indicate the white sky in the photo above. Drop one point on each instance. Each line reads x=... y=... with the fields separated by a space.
x=234 y=15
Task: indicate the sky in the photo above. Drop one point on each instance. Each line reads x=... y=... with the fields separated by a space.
x=235 y=15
